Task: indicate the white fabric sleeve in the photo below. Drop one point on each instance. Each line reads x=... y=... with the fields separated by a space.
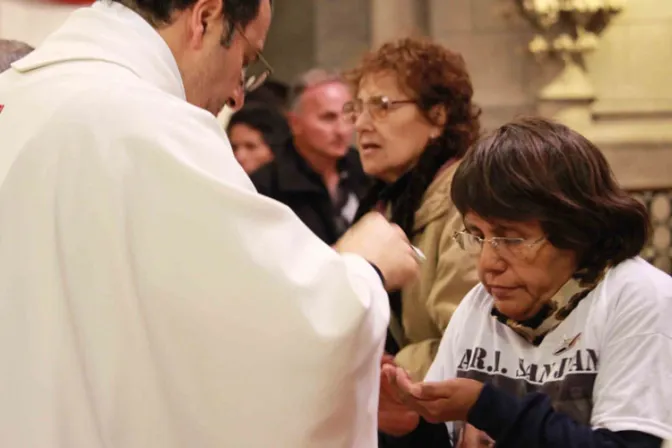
x=632 y=389
x=238 y=294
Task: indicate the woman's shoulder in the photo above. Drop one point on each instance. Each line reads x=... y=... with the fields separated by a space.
x=637 y=290
x=637 y=275
x=436 y=204
x=440 y=186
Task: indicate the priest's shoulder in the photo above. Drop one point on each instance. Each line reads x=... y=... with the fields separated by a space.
x=128 y=109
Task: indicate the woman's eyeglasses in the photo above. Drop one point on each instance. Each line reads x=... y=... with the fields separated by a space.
x=503 y=246
x=378 y=107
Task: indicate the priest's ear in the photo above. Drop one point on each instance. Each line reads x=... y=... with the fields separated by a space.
x=205 y=16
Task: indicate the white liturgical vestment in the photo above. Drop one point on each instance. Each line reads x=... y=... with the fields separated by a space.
x=149 y=297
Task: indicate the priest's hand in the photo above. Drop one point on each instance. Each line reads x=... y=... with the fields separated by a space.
x=394 y=418
x=385 y=245
x=436 y=402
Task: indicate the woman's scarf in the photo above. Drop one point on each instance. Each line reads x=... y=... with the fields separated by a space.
x=554 y=311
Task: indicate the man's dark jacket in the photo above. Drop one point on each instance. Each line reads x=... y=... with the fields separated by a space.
x=289 y=179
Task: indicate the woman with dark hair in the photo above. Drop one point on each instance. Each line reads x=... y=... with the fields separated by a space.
x=257 y=131
x=415 y=119
x=567 y=341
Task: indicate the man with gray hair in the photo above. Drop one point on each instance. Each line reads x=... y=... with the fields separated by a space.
x=10 y=51
x=318 y=175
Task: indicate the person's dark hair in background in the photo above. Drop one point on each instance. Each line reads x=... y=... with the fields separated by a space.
x=273 y=92
x=10 y=51
x=156 y=12
x=257 y=132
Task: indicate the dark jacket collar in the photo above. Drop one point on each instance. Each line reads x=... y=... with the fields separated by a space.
x=294 y=174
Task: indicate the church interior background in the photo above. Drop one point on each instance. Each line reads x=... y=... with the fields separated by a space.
x=602 y=66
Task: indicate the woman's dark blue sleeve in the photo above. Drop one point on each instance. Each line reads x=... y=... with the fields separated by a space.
x=531 y=422
x=426 y=435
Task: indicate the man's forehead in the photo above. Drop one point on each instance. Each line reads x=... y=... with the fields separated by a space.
x=257 y=30
x=327 y=95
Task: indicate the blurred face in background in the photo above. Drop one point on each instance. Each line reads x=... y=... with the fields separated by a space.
x=249 y=147
x=317 y=121
x=392 y=132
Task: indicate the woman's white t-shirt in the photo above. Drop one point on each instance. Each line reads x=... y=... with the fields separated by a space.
x=608 y=365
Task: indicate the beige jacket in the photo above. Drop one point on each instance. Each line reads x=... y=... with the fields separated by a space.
x=445 y=278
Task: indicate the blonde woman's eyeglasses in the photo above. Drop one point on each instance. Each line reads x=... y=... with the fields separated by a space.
x=378 y=107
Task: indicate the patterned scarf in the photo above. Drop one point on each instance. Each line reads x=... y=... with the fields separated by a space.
x=556 y=310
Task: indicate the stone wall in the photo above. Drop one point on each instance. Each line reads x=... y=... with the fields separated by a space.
x=659 y=203
x=290 y=47
x=310 y=33
x=493 y=40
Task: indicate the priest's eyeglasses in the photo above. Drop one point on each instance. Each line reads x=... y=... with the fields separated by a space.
x=503 y=246
x=255 y=73
x=377 y=106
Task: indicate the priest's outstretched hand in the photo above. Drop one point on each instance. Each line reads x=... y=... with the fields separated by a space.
x=385 y=246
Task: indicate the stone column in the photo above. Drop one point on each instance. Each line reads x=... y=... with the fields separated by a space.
x=492 y=37
x=392 y=19
x=342 y=32
x=307 y=33
x=290 y=47
x=631 y=115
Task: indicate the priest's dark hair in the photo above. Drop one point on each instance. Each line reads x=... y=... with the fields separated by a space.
x=239 y=12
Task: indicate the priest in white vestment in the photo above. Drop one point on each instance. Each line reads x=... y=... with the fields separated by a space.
x=149 y=297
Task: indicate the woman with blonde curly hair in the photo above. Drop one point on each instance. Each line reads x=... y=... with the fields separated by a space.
x=415 y=119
